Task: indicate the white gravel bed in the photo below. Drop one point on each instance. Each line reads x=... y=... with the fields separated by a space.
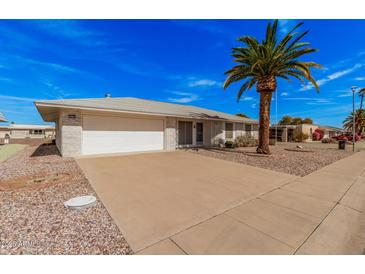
x=282 y=160
x=34 y=219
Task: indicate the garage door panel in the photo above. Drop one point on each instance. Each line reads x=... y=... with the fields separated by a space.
x=115 y=134
x=102 y=123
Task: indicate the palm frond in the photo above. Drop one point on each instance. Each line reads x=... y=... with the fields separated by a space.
x=272 y=58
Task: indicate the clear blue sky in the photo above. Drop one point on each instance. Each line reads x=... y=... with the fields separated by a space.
x=180 y=61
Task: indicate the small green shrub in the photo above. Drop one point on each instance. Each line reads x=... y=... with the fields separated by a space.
x=328 y=141
x=245 y=141
x=229 y=144
x=300 y=137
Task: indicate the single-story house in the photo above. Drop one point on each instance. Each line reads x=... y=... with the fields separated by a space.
x=2 y=118
x=287 y=133
x=18 y=131
x=330 y=131
x=115 y=125
x=283 y=133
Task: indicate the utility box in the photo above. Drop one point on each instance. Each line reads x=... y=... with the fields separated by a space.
x=341 y=144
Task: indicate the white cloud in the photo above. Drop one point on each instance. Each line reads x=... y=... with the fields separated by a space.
x=359 y=78
x=17 y=98
x=247 y=98
x=310 y=101
x=4 y=79
x=71 y=29
x=284 y=94
x=56 y=90
x=286 y=25
x=298 y=99
x=20 y=60
x=345 y=95
x=254 y=105
x=331 y=77
x=183 y=97
x=204 y=82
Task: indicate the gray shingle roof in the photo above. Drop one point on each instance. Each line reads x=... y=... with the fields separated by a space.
x=2 y=118
x=137 y=105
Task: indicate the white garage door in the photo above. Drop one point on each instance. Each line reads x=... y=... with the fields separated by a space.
x=110 y=134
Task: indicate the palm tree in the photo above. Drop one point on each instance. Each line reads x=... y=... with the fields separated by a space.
x=361 y=94
x=262 y=63
x=359 y=121
x=242 y=115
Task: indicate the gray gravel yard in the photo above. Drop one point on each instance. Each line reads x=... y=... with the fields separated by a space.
x=292 y=162
x=33 y=186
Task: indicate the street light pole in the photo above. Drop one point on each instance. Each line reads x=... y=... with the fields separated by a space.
x=353 y=88
x=276 y=117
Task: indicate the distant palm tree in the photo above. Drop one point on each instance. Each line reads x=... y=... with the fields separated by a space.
x=359 y=121
x=361 y=94
x=262 y=63
x=242 y=115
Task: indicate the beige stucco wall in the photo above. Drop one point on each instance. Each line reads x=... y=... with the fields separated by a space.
x=3 y=132
x=306 y=129
x=19 y=133
x=69 y=132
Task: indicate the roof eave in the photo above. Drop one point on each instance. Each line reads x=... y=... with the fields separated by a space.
x=59 y=106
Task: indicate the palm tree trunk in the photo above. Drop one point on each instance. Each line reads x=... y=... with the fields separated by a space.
x=264 y=129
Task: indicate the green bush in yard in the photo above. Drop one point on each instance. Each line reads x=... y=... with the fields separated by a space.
x=300 y=137
x=328 y=141
x=245 y=141
x=230 y=144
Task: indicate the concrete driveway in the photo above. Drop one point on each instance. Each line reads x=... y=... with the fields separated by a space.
x=184 y=203
x=155 y=196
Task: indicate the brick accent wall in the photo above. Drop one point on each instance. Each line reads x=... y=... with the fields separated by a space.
x=71 y=133
x=170 y=133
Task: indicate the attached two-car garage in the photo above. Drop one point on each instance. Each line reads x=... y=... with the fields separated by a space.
x=114 y=134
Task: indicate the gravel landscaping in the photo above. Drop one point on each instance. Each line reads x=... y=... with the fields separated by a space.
x=33 y=186
x=285 y=157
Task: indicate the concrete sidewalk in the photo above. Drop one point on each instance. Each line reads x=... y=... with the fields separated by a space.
x=322 y=213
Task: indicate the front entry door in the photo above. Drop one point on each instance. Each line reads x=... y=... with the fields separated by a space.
x=185 y=133
x=199 y=133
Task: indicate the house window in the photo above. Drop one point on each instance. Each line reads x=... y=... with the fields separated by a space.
x=248 y=129
x=36 y=131
x=229 y=131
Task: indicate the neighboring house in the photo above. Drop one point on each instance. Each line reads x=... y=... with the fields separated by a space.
x=17 y=131
x=284 y=133
x=330 y=131
x=113 y=125
x=287 y=133
x=2 y=118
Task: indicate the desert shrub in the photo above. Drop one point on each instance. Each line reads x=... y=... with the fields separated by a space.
x=229 y=144
x=317 y=135
x=300 y=137
x=328 y=141
x=245 y=141
x=219 y=142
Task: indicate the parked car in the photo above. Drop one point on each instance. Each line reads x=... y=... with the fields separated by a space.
x=347 y=137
